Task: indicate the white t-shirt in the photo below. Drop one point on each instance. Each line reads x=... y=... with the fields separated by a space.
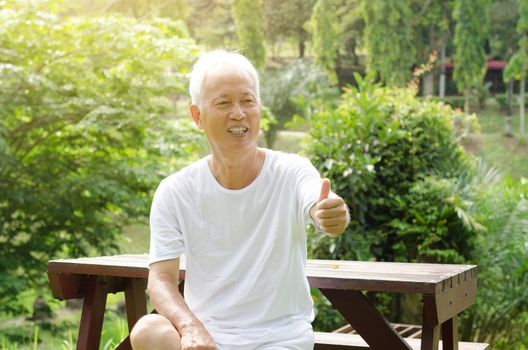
x=245 y=250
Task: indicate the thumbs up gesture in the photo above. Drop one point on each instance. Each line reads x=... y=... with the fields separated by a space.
x=330 y=215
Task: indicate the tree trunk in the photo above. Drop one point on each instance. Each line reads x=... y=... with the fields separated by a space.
x=521 y=105
x=466 y=102
x=508 y=119
x=441 y=90
x=428 y=84
x=302 y=47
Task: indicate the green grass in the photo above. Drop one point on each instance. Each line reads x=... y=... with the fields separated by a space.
x=492 y=120
x=508 y=154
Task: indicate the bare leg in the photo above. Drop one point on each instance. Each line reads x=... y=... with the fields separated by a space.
x=154 y=332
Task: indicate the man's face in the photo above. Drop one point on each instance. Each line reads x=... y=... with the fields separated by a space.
x=230 y=113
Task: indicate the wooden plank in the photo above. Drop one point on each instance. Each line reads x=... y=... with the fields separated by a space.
x=125 y=344
x=340 y=341
x=357 y=275
x=430 y=337
x=365 y=319
x=66 y=286
x=450 y=334
x=440 y=307
x=135 y=300
x=92 y=315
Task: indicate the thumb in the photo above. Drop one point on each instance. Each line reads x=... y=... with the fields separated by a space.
x=325 y=190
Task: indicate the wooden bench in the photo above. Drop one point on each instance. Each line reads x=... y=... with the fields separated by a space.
x=340 y=341
x=346 y=337
x=446 y=291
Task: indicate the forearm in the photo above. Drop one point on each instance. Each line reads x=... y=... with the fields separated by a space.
x=169 y=302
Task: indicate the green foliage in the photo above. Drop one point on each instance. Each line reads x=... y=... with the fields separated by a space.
x=84 y=132
x=394 y=159
x=248 y=20
x=324 y=35
x=287 y=19
x=500 y=315
x=415 y=195
x=472 y=21
x=140 y=9
x=285 y=91
x=518 y=65
x=351 y=27
x=389 y=40
x=210 y=22
x=503 y=36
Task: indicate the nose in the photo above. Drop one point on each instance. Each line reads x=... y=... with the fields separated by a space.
x=237 y=113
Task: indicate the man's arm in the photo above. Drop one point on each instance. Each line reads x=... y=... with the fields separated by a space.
x=168 y=302
x=330 y=215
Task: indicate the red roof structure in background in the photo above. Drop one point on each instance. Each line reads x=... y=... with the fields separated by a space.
x=492 y=64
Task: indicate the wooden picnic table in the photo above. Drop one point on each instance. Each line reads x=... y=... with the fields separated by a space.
x=446 y=290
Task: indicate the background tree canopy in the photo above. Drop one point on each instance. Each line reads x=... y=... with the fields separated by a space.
x=83 y=128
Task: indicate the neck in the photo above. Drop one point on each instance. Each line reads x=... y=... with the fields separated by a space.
x=237 y=172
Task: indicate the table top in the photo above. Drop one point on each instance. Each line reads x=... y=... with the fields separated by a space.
x=355 y=275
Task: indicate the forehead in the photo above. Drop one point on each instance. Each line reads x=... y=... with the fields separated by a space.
x=227 y=80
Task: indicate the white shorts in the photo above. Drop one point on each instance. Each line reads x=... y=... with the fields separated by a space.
x=304 y=341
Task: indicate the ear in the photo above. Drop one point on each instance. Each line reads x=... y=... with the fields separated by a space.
x=196 y=115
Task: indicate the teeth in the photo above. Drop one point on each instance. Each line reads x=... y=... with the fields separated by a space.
x=237 y=131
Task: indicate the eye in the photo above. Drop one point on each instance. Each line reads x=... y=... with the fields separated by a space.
x=222 y=103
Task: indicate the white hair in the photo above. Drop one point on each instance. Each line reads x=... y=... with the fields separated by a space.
x=215 y=60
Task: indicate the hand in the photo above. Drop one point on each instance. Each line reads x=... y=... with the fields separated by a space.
x=330 y=215
x=196 y=338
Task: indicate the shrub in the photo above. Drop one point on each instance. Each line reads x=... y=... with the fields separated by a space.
x=500 y=315
x=84 y=132
x=387 y=152
x=396 y=161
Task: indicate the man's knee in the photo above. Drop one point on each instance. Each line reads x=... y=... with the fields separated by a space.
x=154 y=332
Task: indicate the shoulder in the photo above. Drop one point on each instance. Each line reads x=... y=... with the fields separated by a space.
x=287 y=161
x=184 y=178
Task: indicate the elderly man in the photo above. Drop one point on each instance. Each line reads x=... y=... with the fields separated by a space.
x=239 y=216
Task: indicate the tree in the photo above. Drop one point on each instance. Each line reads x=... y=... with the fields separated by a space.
x=84 y=132
x=324 y=35
x=287 y=19
x=140 y=9
x=432 y=31
x=471 y=31
x=389 y=40
x=210 y=22
x=518 y=65
x=350 y=30
x=248 y=21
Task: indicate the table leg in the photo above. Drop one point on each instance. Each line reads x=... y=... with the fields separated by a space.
x=450 y=334
x=365 y=319
x=92 y=315
x=135 y=300
x=430 y=337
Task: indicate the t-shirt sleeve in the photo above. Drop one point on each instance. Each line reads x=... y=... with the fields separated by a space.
x=166 y=239
x=308 y=187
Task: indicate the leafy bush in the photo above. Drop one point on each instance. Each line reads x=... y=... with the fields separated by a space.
x=393 y=158
x=500 y=315
x=83 y=132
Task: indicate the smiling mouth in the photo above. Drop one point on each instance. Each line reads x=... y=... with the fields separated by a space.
x=237 y=131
